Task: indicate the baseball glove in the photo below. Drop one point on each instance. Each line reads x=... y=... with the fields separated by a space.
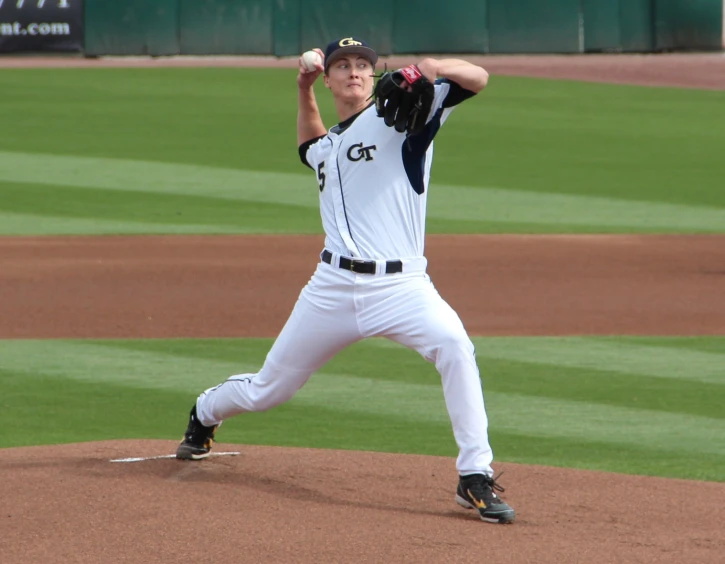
x=403 y=98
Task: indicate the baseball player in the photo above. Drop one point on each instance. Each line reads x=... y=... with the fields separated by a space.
x=373 y=171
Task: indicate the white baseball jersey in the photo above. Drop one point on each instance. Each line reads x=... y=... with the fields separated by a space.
x=374 y=181
x=373 y=188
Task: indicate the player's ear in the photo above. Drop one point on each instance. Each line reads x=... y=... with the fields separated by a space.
x=327 y=80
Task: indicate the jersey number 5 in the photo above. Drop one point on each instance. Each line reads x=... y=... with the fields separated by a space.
x=321 y=175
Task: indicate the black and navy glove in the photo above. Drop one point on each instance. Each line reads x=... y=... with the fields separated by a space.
x=404 y=98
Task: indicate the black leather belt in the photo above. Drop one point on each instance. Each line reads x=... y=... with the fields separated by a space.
x=359 y=266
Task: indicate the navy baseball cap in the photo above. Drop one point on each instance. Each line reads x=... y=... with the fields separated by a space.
x=349 y=46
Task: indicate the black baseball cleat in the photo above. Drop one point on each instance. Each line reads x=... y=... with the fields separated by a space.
x=478 y=491
x=197 y=439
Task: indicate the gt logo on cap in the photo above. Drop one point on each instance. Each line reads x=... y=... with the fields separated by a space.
x=348 y=41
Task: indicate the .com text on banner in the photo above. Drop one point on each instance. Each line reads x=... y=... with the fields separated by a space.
x=41 y=25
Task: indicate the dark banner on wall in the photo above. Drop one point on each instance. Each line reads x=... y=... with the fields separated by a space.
x=41 y=25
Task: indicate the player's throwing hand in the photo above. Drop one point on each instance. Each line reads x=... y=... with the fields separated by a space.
x=310 y=68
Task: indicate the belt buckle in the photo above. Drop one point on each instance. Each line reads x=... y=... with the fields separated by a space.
x=353 y=264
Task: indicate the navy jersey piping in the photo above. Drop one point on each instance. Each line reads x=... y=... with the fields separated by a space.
x=342 y=196
x=456 y=93
x=414 y=151
x=343 y=125
x=302 y=149
x=415 y=146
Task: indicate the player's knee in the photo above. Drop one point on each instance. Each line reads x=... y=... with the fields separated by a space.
x=453 y=346
x=267 y=397
x=270 y=400
x=274 y=386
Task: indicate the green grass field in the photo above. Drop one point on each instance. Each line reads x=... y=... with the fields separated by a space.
x=208 y=151
x=651 y=406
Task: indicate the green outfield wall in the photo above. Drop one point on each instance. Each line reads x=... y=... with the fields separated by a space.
x=288 y=27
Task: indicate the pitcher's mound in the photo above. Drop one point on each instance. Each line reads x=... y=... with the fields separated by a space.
x=71 y=504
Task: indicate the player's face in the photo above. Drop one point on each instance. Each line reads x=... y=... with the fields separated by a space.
x=350 y=78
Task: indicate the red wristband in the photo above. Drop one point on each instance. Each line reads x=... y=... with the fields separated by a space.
x=411 y=73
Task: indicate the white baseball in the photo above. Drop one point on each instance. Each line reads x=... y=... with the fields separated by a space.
x=309 y=59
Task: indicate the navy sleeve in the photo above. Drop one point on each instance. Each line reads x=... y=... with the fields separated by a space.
x=456 y=94
x=305 y=147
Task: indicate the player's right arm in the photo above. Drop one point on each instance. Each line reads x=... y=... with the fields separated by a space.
x=309 y=120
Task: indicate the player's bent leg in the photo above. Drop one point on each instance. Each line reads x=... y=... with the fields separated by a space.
x=321 y=324
x=268 y=388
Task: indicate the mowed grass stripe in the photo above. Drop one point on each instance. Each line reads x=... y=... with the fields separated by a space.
x=605 y=388
x=608 y=355
x=693 y=343
x=46 y=201
x=76 y=360
x=29 y=225
x=603 y=354
x=587 y=454
x=547 y=136
x=160 y=178
x=472 y=227
x=491 y=208
x=619 y=389
x=627 y=142
x=509 y=412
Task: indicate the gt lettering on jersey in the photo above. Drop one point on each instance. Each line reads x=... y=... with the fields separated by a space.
x=361 y=151
x=374 y=181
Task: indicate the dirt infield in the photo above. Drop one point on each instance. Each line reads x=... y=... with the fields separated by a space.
x=302 y=505
x=69 y=504
x=183 y=286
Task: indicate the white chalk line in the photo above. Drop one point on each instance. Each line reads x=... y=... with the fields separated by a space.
x=141 y=459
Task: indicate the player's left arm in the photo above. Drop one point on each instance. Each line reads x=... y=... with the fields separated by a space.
x=468 y=76
x=434 y=87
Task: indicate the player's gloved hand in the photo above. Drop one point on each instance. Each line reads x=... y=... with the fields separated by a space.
x=404 y=98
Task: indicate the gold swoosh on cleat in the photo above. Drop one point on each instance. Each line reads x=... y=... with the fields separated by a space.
x=477 y=502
